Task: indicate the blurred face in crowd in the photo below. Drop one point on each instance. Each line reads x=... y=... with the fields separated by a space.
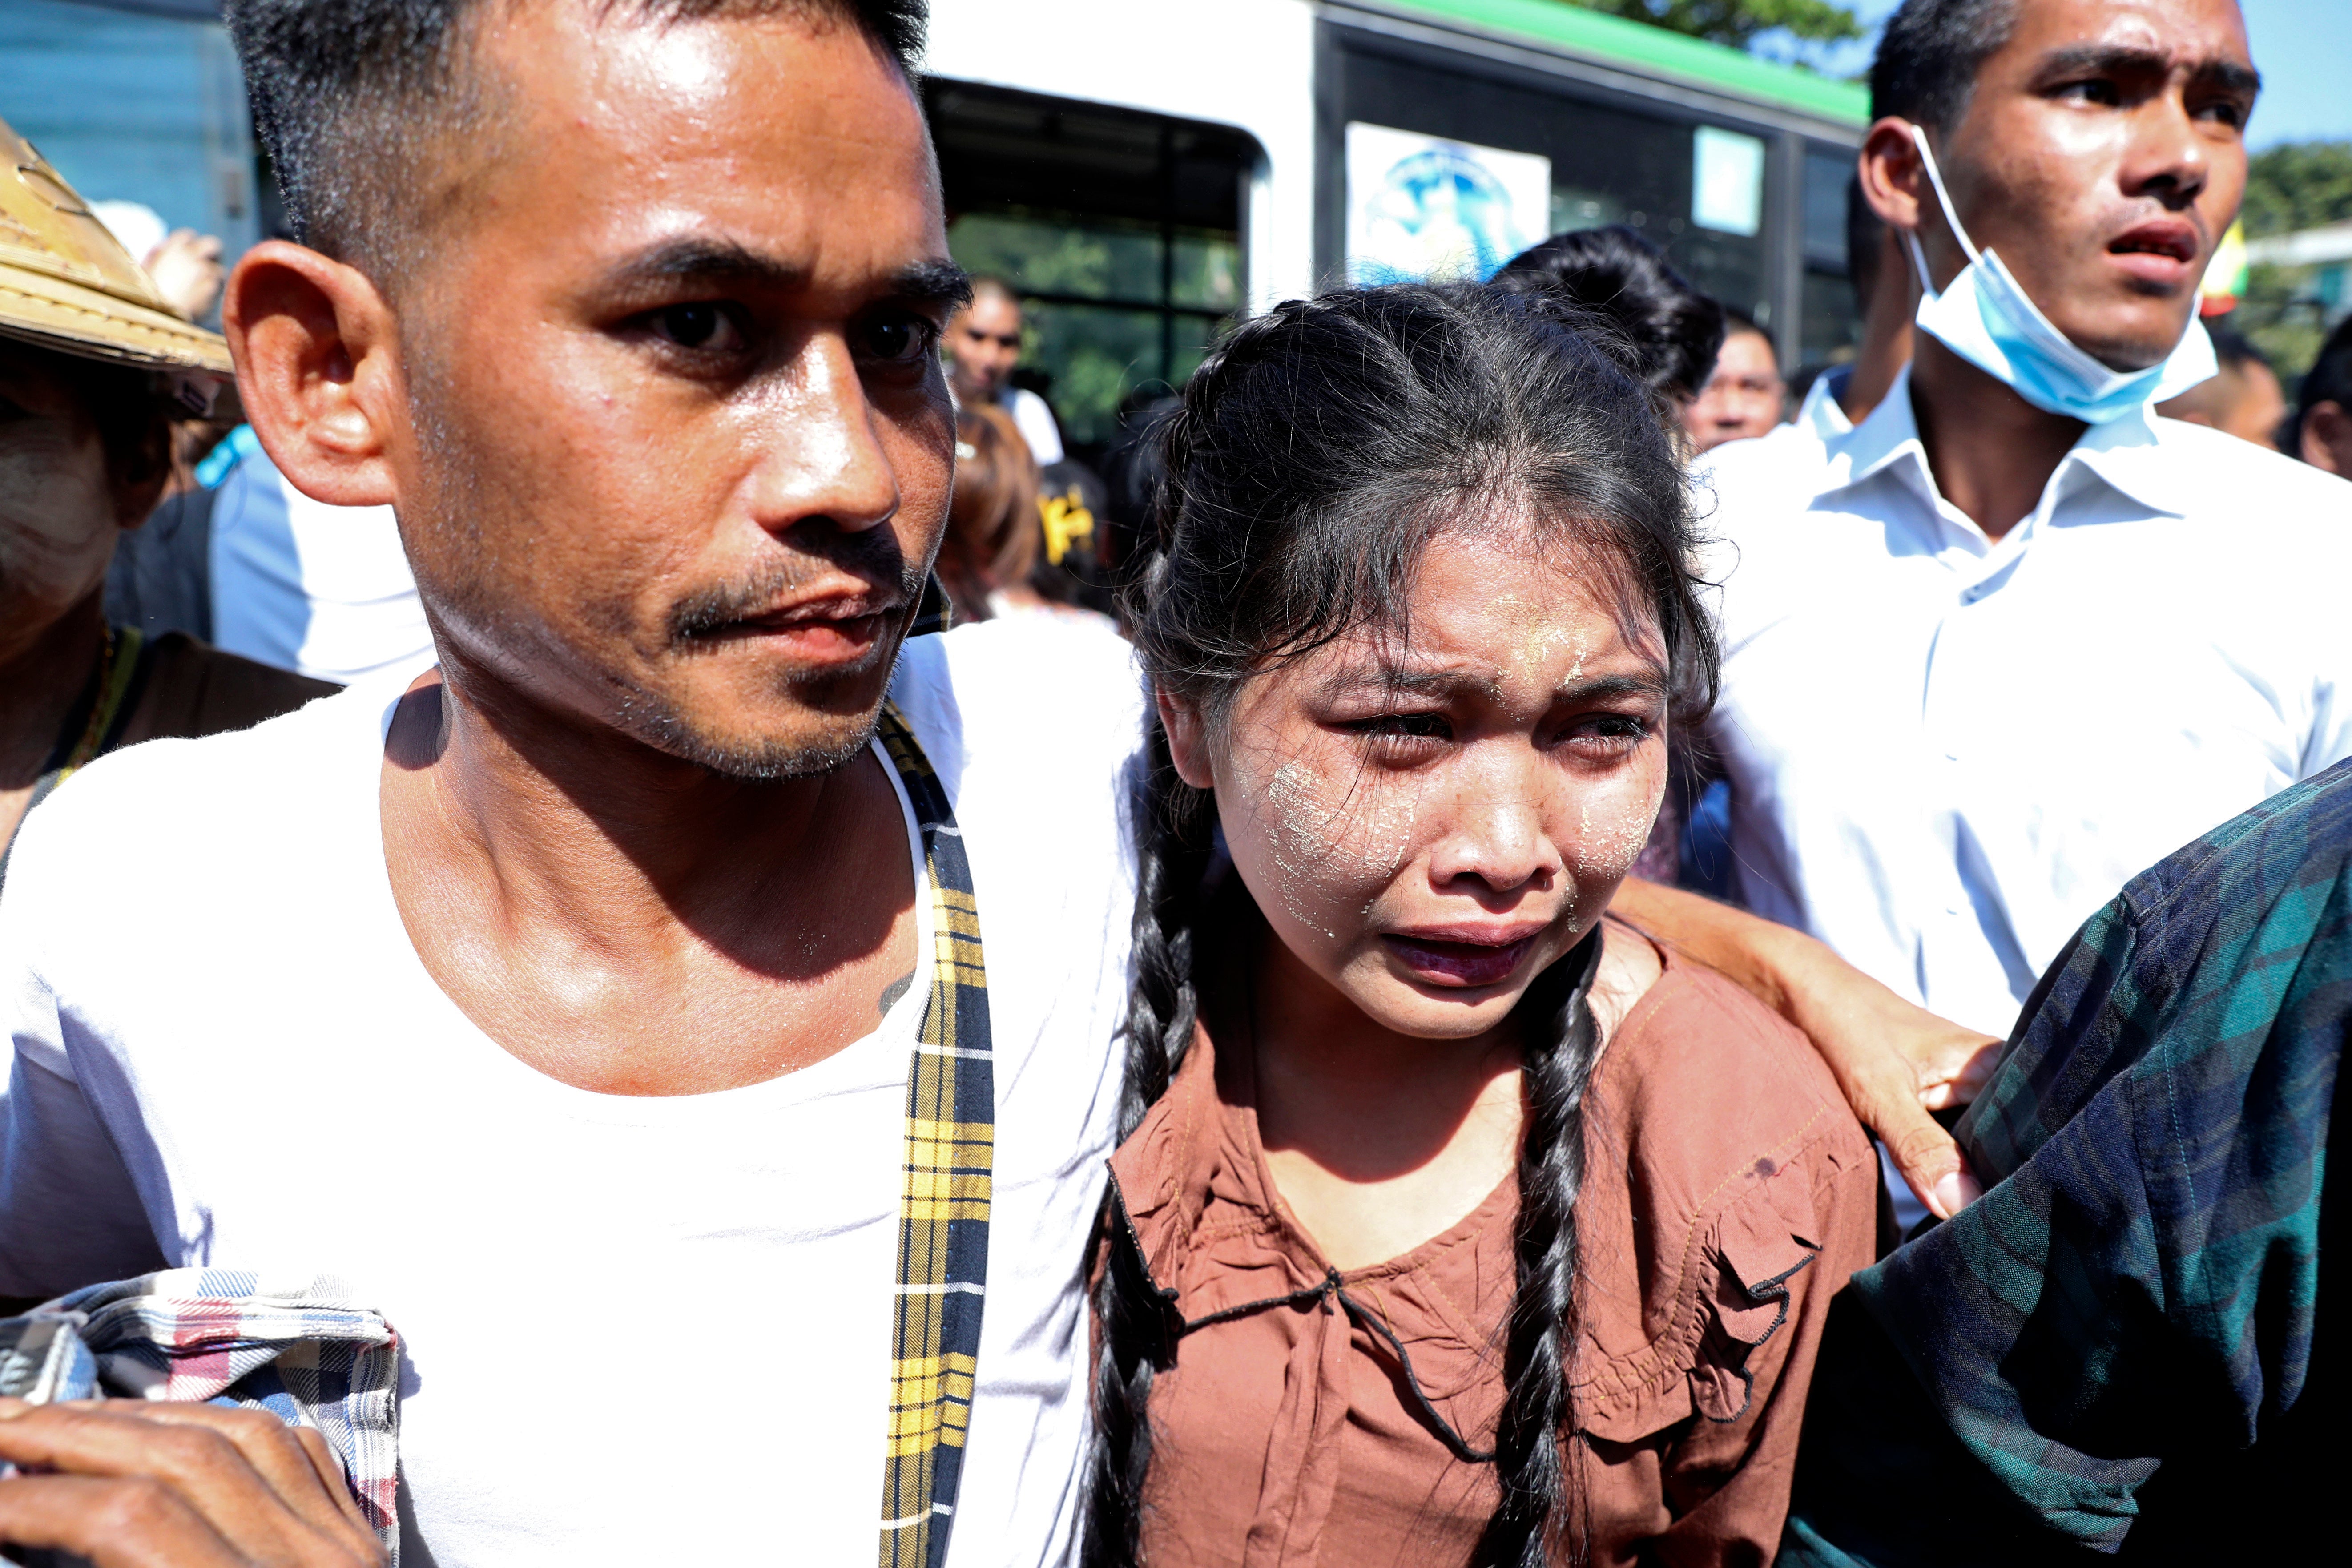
x=2102 y=153
x=2244 y=400
x=1743 y=398
x=984 y=344
x=673 y=448
x=63 y=503
x=1428 y=824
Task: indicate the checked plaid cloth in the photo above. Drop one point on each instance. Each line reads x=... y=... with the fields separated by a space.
x=2125 y=1322
x=297 y=1347
x=943 y=1211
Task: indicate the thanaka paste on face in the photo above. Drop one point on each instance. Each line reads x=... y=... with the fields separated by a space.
x=1337 y=845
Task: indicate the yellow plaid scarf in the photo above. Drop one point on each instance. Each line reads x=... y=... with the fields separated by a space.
x=943 y=1212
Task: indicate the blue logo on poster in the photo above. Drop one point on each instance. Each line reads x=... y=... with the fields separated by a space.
x=1438 y=213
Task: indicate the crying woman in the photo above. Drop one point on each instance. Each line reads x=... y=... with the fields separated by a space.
x=1457 y=1222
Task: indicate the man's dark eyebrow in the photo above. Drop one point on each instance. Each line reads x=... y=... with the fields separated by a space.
x=933 y=283
x=2110 y=59
x=2232 y=77
x=707 y=260
x=724 y=261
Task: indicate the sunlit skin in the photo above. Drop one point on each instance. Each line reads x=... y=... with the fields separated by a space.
x=2101 y=154
x=662 y=414
x=1743 y=398
x=62 y=507
x=983 y=345
x=1426 y=827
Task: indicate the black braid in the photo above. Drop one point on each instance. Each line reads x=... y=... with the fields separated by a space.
x=1132 y=1322
x=1316 y=453
x=1531 y=1524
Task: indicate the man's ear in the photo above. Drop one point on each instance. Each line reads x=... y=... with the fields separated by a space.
x=1188 y=739
x=1895 y=183
x=316 y=370
x=2326 y=438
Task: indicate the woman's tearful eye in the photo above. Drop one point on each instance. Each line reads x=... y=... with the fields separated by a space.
x=1608 y=735
x=1403 y=737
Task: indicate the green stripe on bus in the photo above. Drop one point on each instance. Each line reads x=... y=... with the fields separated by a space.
x=1596 y=36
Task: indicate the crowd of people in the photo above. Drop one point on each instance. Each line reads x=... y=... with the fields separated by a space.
x=1167 y=1013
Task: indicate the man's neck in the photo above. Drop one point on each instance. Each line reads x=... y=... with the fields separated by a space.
x=1886 y=350
x=574 y=811
x=1992 y=451
x=580 y=895
x=39 y=685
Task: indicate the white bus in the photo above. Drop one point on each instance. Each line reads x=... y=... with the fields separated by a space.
x=1141 y=170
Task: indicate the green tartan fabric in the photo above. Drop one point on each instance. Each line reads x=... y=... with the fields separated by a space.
x=943 y=1210
x=2127 y=1322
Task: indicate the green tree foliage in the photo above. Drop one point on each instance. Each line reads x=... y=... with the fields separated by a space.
x=2283 y=319
x=1736 y=22
x=2298 y=185
x=2291 y=186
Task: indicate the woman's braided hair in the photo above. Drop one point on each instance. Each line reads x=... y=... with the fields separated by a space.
x=1318 y=451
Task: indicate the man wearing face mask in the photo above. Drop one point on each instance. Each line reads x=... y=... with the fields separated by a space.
x=2019 y=637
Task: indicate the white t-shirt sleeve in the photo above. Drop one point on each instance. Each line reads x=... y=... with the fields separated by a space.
x=1035 y=423
x=69 y=1210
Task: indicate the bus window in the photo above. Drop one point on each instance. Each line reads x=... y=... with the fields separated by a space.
x=1120 y=231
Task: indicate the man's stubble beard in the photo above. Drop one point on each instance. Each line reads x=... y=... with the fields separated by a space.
x=447 y=526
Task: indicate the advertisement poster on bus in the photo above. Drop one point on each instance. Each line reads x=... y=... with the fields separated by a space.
x=1422 y=208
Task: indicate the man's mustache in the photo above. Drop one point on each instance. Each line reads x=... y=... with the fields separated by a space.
x=871 y=555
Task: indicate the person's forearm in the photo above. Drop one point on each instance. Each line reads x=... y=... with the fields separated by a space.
x=1765 y=959
x=1798 y=976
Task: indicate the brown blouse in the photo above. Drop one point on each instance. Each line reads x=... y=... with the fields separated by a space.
x=1729 y=1192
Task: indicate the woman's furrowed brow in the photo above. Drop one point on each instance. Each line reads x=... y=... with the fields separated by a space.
x=1650 y=684
x=1393 y=680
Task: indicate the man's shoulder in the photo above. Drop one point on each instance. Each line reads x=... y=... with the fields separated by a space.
x=2256 y=488
x=1784 y=469
x=172 y=816
x=197 y=689
x=1060 y=691
x=1752 y=494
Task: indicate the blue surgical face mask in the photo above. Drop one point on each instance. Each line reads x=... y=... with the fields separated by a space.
x=1986 y=318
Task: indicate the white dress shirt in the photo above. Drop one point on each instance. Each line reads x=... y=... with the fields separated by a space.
x=1819 y=414
x=1793 y=452
x=1946 y=751
x=1035 y=423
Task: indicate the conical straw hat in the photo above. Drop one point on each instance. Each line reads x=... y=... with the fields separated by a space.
x=65 y=283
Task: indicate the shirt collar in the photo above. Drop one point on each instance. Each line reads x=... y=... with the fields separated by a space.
x=1820 y=412
x=2128 y=455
